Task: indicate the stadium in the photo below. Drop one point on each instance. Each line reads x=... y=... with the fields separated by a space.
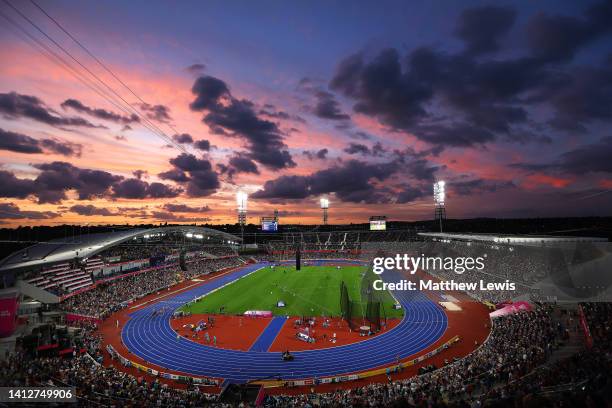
x=188 y=316
x=318 y=204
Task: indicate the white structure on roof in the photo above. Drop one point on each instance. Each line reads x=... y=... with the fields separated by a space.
x=509 y=239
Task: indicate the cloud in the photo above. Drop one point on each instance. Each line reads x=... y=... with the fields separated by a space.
x=470 y=99
x=176 y=175
x=225 y=114
x=57 y=178
x=138 y=189
x=91 y=210
x=479 y=186
x=327 y=107
x=584 y=97
x=558 y=37
x=160 y=190
x=139 y=174
x=482 y=27
x=382 y=89
x=238 y=163
x=183 y=138
x=243 y=164
x=14 y=187
x=414 y=164
x=186 y=138
x=455 y=135
x=361 y=135
x=591 y=158
x=196 y=69
x=320 y=154
x=20 y=143
x=12 y=211
x=588 y=159
x=62 y=147
x=196 y=174
x=361 y=187
x=285 y=187
x=17 y=106
x=100 y=113
x=410 y=193
x=271 y=112
x=158 y=113
x=357 y=148
x=183 y=208
x=202 y=144
x=400 y=98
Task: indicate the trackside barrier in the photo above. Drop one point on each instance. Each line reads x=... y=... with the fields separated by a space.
x=343 y=378
x=296 y=383
x=128 y=363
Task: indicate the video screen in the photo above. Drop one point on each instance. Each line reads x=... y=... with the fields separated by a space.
x=378 y=225
x=269 y=226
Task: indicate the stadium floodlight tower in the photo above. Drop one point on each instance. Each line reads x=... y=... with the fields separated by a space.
x=324 y=207
x=439 y=193
x=241 y=201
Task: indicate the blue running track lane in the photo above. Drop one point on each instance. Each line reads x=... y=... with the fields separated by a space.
x=266 y=338
x=154 y=340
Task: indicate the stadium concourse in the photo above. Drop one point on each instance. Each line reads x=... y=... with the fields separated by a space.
x=111 y=334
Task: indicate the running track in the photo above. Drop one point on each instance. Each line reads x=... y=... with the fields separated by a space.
x=152 y=339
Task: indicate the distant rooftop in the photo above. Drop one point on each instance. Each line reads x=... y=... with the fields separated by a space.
x=510 y=239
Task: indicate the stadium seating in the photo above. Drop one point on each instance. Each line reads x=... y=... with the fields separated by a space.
x=63 y=278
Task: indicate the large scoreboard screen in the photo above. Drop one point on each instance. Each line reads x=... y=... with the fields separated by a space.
x=378 y=223
x=269 y=226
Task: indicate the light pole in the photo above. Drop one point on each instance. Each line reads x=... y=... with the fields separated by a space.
x=439 y=193
x=324 y=206
x=241 y=201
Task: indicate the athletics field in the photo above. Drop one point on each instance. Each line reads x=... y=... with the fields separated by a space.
x=312 y=291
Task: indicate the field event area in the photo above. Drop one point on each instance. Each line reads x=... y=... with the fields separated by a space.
x=311 y=291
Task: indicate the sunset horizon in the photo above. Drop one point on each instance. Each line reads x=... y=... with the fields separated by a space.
x=133 y=114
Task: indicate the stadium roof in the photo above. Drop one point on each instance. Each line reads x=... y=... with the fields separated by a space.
x=84 y=246
x=510 y=239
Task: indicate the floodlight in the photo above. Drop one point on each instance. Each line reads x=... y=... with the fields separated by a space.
x=439 y=189
x=324 y=206
x=241 y=200
x=439 y=195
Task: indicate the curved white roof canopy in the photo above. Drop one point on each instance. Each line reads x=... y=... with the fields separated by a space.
x=85 y=246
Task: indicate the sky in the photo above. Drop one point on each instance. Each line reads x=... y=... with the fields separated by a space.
x=137 y=112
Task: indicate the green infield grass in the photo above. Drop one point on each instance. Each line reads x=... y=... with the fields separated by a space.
x=313 y=291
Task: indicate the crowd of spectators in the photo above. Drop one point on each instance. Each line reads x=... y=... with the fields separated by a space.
x=498 y=374
x=309 y=254
x=511 y=369
x=219 y=250
x=131 y=252
x=96 y=384
x=522 y=265
x=108 y=297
